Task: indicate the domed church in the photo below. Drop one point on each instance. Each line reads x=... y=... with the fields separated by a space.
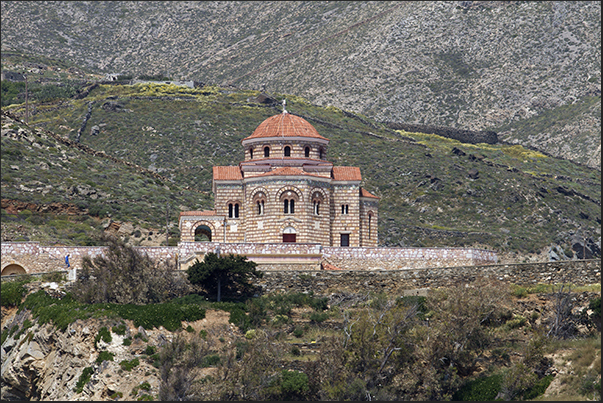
x=285 y=191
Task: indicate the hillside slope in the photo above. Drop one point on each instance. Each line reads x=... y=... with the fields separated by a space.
x=434 y=191
x=464 y=64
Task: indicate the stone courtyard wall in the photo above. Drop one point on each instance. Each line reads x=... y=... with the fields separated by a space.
x=296 y=267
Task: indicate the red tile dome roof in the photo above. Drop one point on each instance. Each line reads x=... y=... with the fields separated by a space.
x=285 y=125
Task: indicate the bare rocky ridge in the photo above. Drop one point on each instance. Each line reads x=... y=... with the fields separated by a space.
x=463 y=64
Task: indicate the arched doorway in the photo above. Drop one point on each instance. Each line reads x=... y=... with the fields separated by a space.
x=13 y=269
x=289 y=235
x=202 y=234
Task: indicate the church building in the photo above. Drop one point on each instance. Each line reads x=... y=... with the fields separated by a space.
x=286 y=191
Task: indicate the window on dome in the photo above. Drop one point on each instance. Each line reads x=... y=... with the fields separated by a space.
x=287 y=151
x=307 y=152
x=266 y=152
x=321 y=154
x=251 y=153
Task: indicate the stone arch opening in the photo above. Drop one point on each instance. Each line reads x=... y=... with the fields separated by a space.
x=287 y=151
x=202 y=234
x=13 y=268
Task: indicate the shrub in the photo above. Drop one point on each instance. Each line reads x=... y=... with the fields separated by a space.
x=119 y=329
x=298 y=332
x=203 y=334
x=481 y=389
x=293 y=384
x=104 y=356
x=83 y=379
x=210 y=360
x=104 y=334
x=239 y=318
x=319 y=317
x=190 y=329
x=127 y=342
x=150 y=350
x=128 y=365
x=11 y=293
x=295 y=351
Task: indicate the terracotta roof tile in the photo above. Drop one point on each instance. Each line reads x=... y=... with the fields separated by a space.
x=227 y=173
x=285 y=125
x=196 y=213
x=366 y=193
x=346 y=174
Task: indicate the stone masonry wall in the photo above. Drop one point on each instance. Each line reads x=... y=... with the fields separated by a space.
x=270 y=256
x=404 y=258
x=418 y=281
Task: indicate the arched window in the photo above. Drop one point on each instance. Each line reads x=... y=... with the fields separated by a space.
x=316 y=207
x=233 y=210
x=289 y=206
x=260 y=204
x=320 y=153
x=307 y=152
x=344 y=209
x=266 y=152
x=251 y=153
x=369 y=225
x=287 y=151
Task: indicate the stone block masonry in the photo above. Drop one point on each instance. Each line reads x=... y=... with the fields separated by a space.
x=296 y=267
x=419 y=281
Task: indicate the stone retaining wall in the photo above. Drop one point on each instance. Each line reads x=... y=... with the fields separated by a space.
x=405 y=258
x=323 y=282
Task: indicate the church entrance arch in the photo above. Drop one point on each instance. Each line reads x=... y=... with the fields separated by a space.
x=202 y=234
x=13 y=269
x=289 y=235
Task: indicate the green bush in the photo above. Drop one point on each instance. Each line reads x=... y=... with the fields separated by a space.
x=127 y=341
x=11 y=293
x=128 y=365
x=210 y=360
x=150 y=350
x=319 y=317
x=119 y=329
x=293 y=384
x=83 y=379
x=104 y=356
x=539 y=388
x=298 y=332
x=481 y=389
x=190 y=329
x=239 y=318
x=104 y=334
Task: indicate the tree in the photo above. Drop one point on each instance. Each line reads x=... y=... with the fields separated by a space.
x=231 y=272
x=125 y=275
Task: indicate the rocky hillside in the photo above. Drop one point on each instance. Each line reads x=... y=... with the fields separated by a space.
x=492 y=65
x=97 y=355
